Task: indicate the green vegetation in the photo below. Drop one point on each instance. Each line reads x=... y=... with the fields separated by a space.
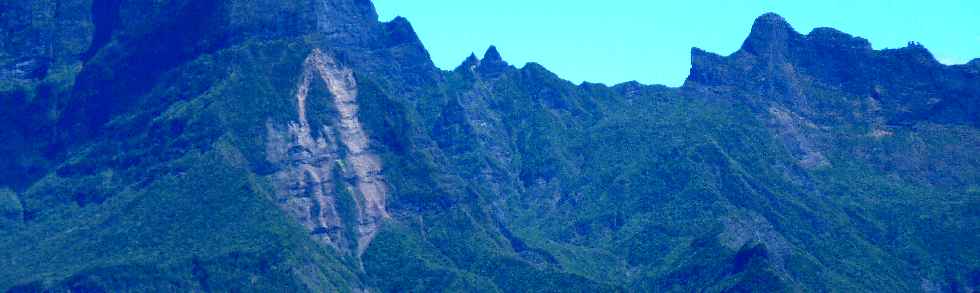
x=502 y=179
x=10 y=207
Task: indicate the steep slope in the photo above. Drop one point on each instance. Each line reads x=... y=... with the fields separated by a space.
x=166 y=158
x=304 y=146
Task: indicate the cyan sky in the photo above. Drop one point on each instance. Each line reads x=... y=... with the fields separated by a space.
x=613 y=41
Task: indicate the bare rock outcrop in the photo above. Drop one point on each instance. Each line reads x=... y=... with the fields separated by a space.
x=323 y=165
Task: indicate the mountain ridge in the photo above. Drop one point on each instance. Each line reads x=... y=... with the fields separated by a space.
x=799 y=163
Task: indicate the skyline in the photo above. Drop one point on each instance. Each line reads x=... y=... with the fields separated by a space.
x=629 y=40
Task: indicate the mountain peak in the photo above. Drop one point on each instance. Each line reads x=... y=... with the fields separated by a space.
x=768 y=31
x=492 y=64
x=470 y=63
x=492 y=55
x=770 y=17
x=400 y=31
x=770 y=22
x=472 y=59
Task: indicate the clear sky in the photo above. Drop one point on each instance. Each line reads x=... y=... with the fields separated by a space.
x=613 y=41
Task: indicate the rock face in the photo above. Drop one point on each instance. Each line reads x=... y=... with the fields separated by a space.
x=336 y=162
x=42 y=36
x=301 y=145
x=778 y=64
x=40 y=42
x=793 y=131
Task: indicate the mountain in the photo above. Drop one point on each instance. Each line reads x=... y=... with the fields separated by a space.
x=301 y=145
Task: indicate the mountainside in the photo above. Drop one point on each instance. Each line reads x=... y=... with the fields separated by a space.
x=301 y=145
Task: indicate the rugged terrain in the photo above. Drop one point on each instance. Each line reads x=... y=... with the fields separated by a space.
x=301 y=145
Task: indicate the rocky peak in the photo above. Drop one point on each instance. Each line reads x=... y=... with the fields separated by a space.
x=788 y=68
x=492 y=64
x=705 y=66
x=492 y=55
x=770 y=33
x=771 y=24
x=399 y=31
x=470 y=62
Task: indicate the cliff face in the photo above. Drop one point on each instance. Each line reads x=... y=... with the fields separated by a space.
x=305 y=146
x=313 y=172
